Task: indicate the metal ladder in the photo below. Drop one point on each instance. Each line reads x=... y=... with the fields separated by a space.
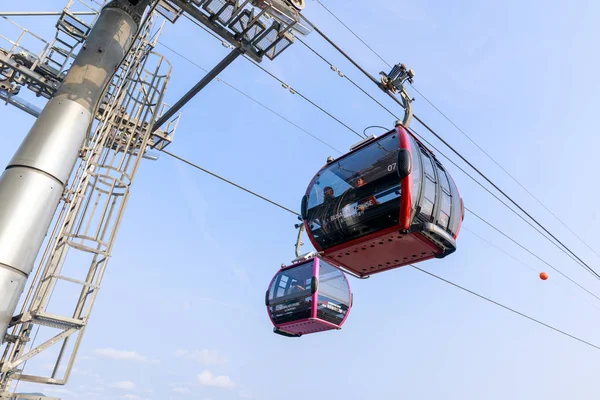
x=87 y=222
x=71 y=32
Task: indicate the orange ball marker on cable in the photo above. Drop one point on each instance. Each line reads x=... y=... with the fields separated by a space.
x=543 y=276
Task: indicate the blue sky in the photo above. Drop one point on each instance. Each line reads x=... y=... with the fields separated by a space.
x=181 y=311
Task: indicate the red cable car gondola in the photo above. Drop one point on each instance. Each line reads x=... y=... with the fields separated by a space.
x=308 y=297
x=387 y=203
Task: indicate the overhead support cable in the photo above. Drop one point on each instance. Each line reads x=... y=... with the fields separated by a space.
x=340 y=73
x=501 y=250
x=355 y=35
x=464 y=159
x=284 y=84
x=465 y=134
x=219 y=79
x=430 y=145
x=532 y=253
x=571 y=255
x=413 y=266
x=506 y=307
x=508 y=173
x=230 y=182
x=583 y=263
x=431 y=274
x=294 y=91
x=494 y=195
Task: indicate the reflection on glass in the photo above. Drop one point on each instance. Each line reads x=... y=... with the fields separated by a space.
x=290 y=297
x=334 y=294
x=426 y=210
x=333 y=283
x=445 y=203
x=429 y=190
x=456 y=210
x=356 y=195
x=416 y=170
x=443 y=179
x=427 y=164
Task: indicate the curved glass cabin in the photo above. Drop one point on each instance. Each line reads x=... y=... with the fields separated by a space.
x=387 y=203
x=308 y=297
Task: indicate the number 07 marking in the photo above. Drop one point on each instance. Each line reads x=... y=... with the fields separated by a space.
x=391 y=167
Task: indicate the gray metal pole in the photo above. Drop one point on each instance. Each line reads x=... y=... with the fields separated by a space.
x=34 y=180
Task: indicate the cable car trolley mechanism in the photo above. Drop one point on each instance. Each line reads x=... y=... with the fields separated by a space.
x=387 y=203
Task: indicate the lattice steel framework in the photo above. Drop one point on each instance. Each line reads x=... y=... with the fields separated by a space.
x=130 y=121
x=87 y=223
x=28 y=60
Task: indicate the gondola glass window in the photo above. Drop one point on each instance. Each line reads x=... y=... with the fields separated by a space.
x=387 y=203
x=429 y=187
x=334 y=296
x=341 y=206
x=290 y=297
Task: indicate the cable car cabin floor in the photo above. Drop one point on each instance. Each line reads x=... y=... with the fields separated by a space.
x=305 y=326
x=383 y=253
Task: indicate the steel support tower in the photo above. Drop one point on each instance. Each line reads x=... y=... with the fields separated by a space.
x=68 y=184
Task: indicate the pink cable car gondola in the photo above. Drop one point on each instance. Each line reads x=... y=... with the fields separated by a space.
x=387 y=203
x=309 y=296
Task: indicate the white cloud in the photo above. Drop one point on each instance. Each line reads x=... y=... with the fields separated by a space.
x=132 y=397
x=59 y=390
x=182 y=390
x=83 y=372
x=245 y=393
x=125 y=385
x=124 y=355
x=206 y=357
x=207 y=378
